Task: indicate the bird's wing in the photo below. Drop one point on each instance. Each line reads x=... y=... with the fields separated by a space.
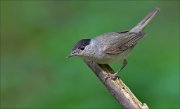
x=121 y=42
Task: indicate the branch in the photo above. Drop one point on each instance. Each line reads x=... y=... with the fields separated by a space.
x=117 y=88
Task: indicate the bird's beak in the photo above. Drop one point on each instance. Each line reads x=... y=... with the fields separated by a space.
x=70 y=55
x=73 y=53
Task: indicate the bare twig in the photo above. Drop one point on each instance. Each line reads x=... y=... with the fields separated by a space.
x=117 y=88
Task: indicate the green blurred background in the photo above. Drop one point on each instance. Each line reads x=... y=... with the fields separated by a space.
x=36 y=36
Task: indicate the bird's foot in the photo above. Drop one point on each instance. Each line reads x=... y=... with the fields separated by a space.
x=113 y=76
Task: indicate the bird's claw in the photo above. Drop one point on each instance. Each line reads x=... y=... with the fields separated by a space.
x=112 y=76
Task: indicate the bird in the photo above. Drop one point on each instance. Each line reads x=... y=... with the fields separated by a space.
x=112 y=47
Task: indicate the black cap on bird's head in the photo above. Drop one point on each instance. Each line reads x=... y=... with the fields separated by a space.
x=79 y=46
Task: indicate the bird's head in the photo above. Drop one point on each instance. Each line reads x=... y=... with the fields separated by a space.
x=81 y=48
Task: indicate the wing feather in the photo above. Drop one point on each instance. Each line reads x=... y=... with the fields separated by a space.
x=128 y=40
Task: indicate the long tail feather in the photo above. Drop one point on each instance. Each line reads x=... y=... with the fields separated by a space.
x=142 y=24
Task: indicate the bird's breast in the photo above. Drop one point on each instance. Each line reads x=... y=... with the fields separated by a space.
x=104 y=58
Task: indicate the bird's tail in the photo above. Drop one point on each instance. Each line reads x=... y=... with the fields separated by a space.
x=142 y=24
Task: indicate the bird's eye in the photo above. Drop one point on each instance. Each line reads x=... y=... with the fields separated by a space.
x=81 y=48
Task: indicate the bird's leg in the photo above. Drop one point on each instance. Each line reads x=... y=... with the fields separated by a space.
x=115 y=75
x=123 y=65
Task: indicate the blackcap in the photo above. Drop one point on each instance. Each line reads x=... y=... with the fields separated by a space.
x=113 y=46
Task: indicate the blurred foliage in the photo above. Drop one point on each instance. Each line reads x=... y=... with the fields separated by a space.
x=36 y=36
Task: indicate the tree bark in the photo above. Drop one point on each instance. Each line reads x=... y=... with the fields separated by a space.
x=118 y=89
